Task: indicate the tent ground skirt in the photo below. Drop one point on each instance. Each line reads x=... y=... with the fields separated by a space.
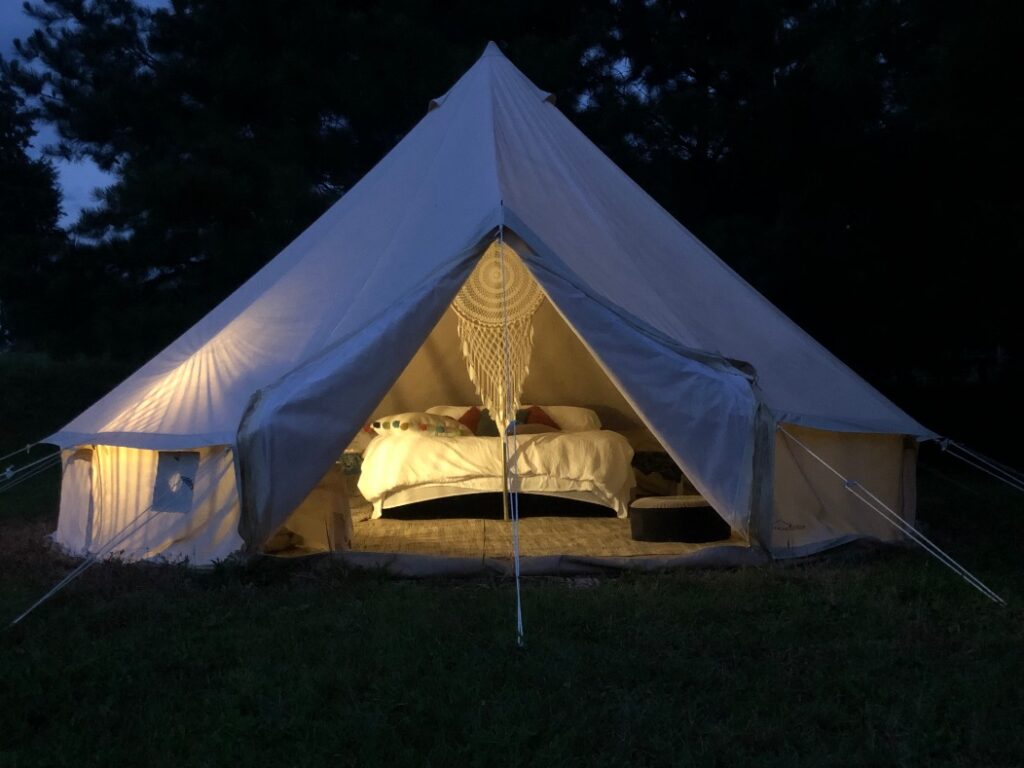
x=538 y=536
x=548 y=545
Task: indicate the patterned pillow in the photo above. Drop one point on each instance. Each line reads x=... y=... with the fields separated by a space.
x=418 y=422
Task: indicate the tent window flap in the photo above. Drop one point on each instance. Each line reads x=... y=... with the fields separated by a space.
x=175 y=478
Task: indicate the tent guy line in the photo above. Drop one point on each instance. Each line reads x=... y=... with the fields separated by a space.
x=980 y=462
x=26 y=449
x=510 y=407
x=925 y=543
x=133 y=526
x=12 y=478
x=11 y=471
x=890 y=516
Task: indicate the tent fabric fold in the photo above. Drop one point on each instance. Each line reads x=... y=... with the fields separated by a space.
x=296 y=428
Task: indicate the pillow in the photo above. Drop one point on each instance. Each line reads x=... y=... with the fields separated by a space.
x=467 y=414
x=361 y=441
x=483 y=425
x=573 y=419
x=561 y=417
x=421 y=423
x=535 y=429
x=478 y=420
x=471 y=418
x=537 y=415
x=455 y=411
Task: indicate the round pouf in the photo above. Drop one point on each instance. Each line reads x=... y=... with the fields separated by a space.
x=676 y=518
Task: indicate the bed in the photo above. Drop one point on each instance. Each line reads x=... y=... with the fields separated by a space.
x=407 y=465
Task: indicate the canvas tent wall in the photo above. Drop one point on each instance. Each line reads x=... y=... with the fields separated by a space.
x=277 y=378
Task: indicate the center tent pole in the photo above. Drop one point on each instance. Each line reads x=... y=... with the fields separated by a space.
x=504 y=477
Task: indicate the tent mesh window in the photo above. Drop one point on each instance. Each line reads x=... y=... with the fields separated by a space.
x=175 y=478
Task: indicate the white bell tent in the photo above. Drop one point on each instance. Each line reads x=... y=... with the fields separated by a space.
x=211 y=446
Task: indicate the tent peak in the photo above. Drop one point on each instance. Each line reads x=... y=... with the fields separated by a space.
x=492 y=49
x=483 y=74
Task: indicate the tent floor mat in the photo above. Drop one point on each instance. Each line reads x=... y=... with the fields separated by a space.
x=547 y=545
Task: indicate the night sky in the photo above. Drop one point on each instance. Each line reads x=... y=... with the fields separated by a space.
x=77 y=180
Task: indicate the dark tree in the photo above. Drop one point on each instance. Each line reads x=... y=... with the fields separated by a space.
x=856 y=160
x=231 y=124
x=30 y=239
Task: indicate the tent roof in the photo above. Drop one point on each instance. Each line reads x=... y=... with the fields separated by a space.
x=493 y=150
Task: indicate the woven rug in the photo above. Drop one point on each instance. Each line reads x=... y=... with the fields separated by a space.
x=538 y=536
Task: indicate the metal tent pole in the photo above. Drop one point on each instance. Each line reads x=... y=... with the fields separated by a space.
x=504 y=478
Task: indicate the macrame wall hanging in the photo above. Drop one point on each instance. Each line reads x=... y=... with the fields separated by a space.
x=495 y=309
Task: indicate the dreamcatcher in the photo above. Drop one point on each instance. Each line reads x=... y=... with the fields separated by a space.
x=495 y=311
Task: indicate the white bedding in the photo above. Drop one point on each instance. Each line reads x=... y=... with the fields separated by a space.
x=596 y=462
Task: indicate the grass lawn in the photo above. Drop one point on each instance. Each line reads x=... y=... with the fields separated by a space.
x=868 y=657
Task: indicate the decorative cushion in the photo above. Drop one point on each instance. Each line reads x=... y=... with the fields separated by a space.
x=420 y=422
x=486 y=426
x=567 y=418
x=471 y=418
x=537 y=415
x=476 y=419
x=455 y=411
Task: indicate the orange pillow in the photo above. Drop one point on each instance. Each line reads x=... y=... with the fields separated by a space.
x=471 y=419
x=536 y=415
x=533 y=415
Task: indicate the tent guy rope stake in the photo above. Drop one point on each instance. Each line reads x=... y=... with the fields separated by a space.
x=888 y=514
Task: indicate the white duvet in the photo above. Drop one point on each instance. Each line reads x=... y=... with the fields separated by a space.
x=596 y=463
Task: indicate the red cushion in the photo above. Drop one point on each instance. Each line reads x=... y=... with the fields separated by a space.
x=536 y=415
x=471 y=419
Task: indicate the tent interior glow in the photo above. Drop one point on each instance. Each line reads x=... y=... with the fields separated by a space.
x=638 y=322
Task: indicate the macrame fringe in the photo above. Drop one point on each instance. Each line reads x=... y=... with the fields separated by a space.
x=482 y=346
x=495 y=309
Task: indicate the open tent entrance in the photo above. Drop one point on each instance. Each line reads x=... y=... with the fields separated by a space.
x=410 y=489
